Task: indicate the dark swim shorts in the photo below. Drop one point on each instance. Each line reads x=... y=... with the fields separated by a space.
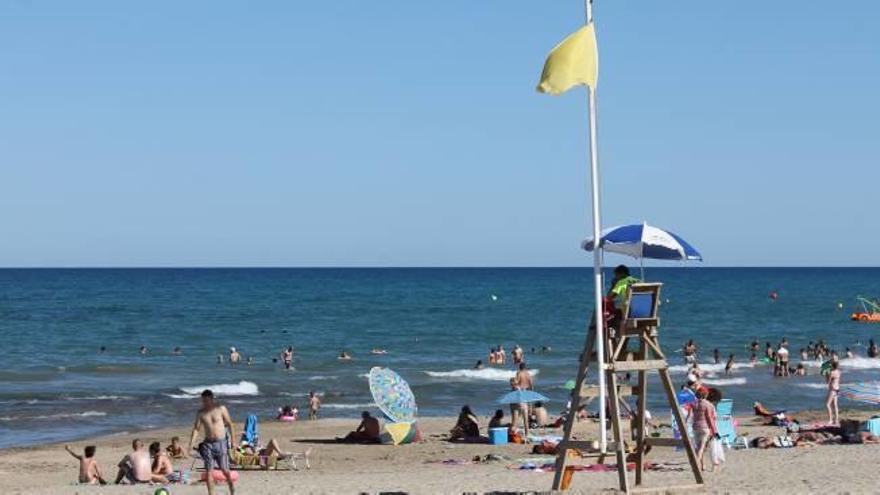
x=215 y=454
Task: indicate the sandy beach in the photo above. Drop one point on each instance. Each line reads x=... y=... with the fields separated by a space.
x=420 y=468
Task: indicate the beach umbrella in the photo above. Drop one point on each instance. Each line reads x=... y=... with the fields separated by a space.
x=522 y=397
x=863 y=392
x=643 y=241
x=392 y=395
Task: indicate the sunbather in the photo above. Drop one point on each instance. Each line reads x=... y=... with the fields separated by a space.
x=135 y=467
x=366 y=432
x=161 y=463
x=89 y=472
x=175 y=450
x=466 y=428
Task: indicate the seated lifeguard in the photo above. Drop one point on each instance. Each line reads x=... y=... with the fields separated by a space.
x=620 y=285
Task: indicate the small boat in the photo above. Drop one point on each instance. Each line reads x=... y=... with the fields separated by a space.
x=870 y=311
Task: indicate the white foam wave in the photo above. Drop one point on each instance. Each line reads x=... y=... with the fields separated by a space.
x=85 y=414
x=720 y=382
x=817 y=386
x=347 y=406
x=323 y=377
x=710 y=367
x=221 y=389
x=860 y=363
x=483 y=374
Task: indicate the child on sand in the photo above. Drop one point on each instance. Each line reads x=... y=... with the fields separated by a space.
x=89 y=472
x=175 y=450
x=314 y=405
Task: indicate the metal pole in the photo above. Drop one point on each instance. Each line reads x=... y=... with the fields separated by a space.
x=598 y=286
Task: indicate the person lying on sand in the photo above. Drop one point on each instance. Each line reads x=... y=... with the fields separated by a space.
x=89 y=472
x=271 y=448
x=366 y=432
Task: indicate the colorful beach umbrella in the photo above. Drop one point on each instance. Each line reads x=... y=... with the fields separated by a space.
x=863 y=392
x=522 y=397
x=643 y=241
x=392 y=395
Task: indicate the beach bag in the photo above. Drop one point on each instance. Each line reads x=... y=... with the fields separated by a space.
x=717 y=452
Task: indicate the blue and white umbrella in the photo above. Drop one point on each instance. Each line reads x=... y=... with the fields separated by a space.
x=522 y=397
x=645 y=241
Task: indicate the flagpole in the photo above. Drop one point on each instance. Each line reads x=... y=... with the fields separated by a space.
x=598 y=286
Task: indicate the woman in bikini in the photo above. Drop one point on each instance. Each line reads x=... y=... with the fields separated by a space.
x=833 y=391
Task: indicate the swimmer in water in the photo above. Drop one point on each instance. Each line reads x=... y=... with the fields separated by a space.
x=378 y=351
x=234 y=356
x=479 y=365
x=286 y=357
x=143 y=350
x=728 y=368
x=344 y=356
x=102 y=349
x=176 y=351
x=250 y=361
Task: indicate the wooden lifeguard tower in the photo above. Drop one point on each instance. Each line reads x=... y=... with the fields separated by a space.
x=639 y=323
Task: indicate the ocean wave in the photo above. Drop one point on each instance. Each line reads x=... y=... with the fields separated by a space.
x=860 y=363
x=85 y=414
x=324 y=377
x=221 y=389
x=483 y=374
x=710 y=367
x=721 y=382
x=817 y=386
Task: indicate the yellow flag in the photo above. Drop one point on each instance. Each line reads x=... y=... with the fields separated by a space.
x=573 y=61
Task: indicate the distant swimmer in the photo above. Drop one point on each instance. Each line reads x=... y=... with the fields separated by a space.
x=287 y=357
x=716 y=354
x=234 y=356
x=378 y=351
x=479 y=365
x=494 y=297
x=176 y=351
x=872 y=349
x=523 y=378
x=774 y=295
x=143 y=350
x=250 y=361
x=493 y=356
x=690 y=352
x=344 y=356
x=220 y=359
x=102 y=349
x=849 y=353
x=517 y=354
x=500 y=355
x=728 y=368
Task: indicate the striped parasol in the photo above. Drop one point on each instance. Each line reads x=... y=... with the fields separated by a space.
x=863 y=392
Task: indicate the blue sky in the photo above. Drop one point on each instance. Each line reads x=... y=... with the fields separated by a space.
x=409 y=133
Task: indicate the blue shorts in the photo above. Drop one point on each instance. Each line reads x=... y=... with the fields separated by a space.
x=215 y=454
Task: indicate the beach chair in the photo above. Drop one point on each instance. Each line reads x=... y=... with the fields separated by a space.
x=724 y=421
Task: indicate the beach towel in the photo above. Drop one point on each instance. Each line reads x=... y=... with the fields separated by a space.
x=251 y=433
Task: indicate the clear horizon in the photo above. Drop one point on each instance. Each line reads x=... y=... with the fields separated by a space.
x=214 y=134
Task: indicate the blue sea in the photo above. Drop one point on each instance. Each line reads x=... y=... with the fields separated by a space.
x=56 y=384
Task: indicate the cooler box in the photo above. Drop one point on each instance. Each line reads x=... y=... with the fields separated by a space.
x=498 y=436
x=873 y=425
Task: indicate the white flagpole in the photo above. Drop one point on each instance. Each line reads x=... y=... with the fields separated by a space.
x=599 y=286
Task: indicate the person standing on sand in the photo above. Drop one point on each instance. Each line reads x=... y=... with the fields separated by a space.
x=214 y=419
x=833 y=392
x=705 y=428
x=314 y=405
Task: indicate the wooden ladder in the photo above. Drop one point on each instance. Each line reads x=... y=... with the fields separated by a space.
x=648 y=357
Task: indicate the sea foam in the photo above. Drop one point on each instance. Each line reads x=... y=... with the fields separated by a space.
x=222 y=389
x=483 y=374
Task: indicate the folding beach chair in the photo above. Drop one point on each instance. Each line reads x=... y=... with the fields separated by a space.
x=724 y=421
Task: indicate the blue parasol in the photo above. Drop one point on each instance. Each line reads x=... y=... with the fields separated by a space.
x=522 y=397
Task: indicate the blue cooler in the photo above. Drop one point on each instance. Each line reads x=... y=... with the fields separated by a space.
x=498 y=436
x=873 y=425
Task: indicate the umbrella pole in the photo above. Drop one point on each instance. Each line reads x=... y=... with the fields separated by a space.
x=598 y=286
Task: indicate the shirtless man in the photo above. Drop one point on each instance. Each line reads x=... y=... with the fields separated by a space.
x=89 y=473
x=523 y=378
x=214 y=420
x=517 y=354
x=500 y=355
x=314 y=405
x=366 y=432
x=234 y=356
x=135 y=467
x=833 y=392
x=287 y=357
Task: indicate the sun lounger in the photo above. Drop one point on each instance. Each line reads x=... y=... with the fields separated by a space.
x=725 y=422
